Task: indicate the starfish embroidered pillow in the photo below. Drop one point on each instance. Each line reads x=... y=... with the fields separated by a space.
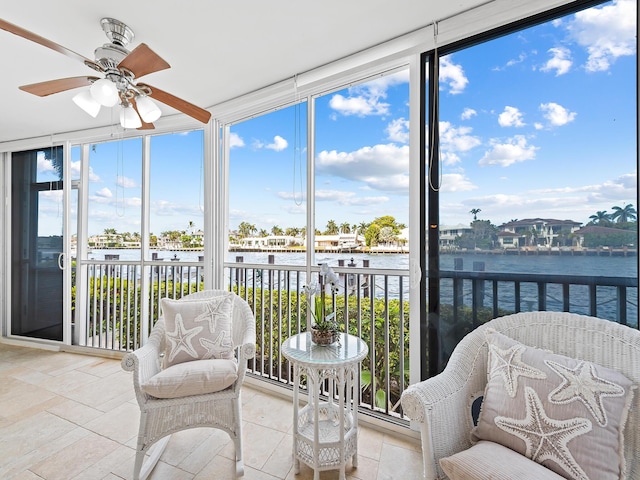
x=563 y=413
x=197 y=329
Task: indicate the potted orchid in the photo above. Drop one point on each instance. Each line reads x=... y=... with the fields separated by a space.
x=324 y=329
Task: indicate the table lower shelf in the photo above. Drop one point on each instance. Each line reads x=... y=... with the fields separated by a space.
x=331 y=442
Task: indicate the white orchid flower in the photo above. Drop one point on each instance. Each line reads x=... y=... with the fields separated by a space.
x=313 y=288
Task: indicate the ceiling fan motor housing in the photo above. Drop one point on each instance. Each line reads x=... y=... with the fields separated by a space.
x=117 y=31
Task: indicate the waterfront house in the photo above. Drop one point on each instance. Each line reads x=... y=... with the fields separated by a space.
x=66 y=413
x=544 y=232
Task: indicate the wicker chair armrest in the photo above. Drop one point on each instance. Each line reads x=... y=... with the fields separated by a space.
x=146 y=361
x=445 y=396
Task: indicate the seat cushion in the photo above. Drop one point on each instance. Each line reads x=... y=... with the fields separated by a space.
x=192 y=378
x=492 y=461
x=567 y=414
x=197 y=329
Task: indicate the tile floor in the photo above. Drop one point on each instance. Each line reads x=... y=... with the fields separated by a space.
x=66 y=416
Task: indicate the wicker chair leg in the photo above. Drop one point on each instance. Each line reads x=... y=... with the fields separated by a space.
x=142 y=469
x=238 y=437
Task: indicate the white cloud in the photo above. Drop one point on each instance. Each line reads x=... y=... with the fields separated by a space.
x=556 y=114
x=511 y=117
x=560 y=61
x=45 y=165
x=538 y=126
x=453 y=75
x=467 y=113
x=606 y=32
x=381 y=167
x=361 y=106
x=456 y=139
x=514 y=150
x=368 y=98
x=348 y=198
x=278 y=144
x=514 y=61
x=235 y=140
x=104 y=193
x=398 y=130
x=449 y=158
x=125 y=182
x=456 y=182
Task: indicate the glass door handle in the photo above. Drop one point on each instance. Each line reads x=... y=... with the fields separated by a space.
x=60 y=259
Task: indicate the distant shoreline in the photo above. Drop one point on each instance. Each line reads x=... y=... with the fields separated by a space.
x=560 y=251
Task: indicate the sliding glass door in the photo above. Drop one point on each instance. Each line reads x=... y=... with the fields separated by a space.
x=37 y=244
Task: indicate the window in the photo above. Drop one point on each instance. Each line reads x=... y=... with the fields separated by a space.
x=538 y=157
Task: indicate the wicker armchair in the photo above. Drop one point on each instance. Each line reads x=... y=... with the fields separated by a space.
x=442 y=405
x=160 y=417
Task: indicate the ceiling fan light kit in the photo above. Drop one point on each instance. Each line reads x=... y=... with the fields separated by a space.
x=129 y=118
x=104 y=91
x=147 y=108
x=119 y=85
x=86 y=102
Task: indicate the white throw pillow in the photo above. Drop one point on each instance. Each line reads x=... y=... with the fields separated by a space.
x=488 y=460
x=197 y=329
x=567 y=414
x=192 y=378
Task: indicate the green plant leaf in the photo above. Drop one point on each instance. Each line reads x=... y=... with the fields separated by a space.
x=365 y=378
x=381 y=399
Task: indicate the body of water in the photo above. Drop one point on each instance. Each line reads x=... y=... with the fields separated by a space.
x=591 y=266
x=601 y=266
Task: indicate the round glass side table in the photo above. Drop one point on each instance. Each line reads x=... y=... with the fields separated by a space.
x=325 y=432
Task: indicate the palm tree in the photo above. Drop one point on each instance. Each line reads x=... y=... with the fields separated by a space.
x=475 y=212
x=624 y=214
x=345 y=227
x=276 y=230
x=332 y=228
x=600 y=217
x=246 y=229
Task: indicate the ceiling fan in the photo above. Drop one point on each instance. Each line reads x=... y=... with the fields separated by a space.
x=119 y=85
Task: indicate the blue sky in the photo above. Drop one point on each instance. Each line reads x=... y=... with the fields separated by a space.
x=540 y=123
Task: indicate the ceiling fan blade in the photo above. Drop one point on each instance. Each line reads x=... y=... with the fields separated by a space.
x=21 y=32
x=49 y=87
x=143 y=61
x=145 y=125
x=190 y=109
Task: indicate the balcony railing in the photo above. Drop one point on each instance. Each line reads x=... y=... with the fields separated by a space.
x=370 y=303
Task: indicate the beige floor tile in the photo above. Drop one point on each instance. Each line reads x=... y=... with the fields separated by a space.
x=30 y=402
x=259 y=443
x=70 y=461
x=75 y=412
x=281 y=460
x=101 y=367
x=119 y=424
x=75 y=417
x=269 y=411
x=164 y=471
x=398 y=463
x=61 y=384
x=220 y=468
x=116 y=464
x=367 y=469
x=29 y=434
x=404 y=442
x=40 y=451
x=202 y=452
x=26 y=475
x=370 y=443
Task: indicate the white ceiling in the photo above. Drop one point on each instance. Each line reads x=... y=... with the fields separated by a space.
x=217 y=49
